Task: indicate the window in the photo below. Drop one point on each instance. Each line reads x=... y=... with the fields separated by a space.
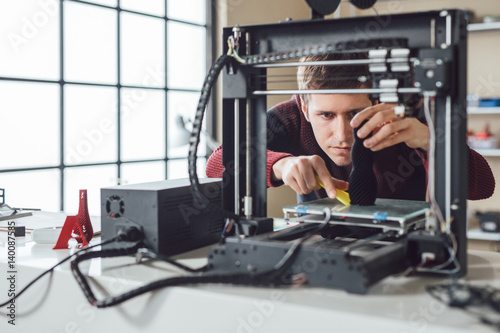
x=91 y=93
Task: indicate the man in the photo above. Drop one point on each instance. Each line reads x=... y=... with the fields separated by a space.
x=312 y=134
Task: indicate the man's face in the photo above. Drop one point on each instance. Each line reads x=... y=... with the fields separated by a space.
x=330 y=117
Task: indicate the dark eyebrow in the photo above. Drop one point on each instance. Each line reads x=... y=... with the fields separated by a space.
x=356 y=110
x=350 y=111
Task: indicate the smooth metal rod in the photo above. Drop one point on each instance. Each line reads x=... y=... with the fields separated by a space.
x=236 y=156
x=339 y=91
x=249 y=150
x=333 y=62
x=248 y=196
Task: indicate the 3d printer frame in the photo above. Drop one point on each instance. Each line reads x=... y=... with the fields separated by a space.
x=437 y=44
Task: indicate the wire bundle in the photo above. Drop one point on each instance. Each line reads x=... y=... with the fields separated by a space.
x=482 y=302
x=273 y=277
x=197 y=124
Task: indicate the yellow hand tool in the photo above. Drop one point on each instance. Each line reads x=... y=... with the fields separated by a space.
x=342 y=196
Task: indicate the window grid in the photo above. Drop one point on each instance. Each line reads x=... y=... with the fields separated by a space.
x=209 y=32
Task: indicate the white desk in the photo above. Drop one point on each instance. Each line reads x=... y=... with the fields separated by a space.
x=56 y=303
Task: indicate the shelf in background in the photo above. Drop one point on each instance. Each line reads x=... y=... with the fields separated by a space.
x=482 y=235
x=483 y=26
x=489 y=152
x=483 y=110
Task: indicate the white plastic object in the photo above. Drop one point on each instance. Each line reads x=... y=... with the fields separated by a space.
x=46 y=235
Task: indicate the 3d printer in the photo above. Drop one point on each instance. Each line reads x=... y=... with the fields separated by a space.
x=420 y=54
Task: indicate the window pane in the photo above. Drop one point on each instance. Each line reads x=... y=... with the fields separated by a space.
x=186 y=56
x=90 y=124
x=133 y=173
x=182 y=105
x=29 y=121
x=104 y=2
x=154 y=7
x=32 y=189
x=179 y=168
x=91 y=179
x=187 y=10
x=143 y=124
x=142 y=50
x=90 y=43
x=30 y=39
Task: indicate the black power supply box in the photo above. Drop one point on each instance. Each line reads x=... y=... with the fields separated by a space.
x=172 y=222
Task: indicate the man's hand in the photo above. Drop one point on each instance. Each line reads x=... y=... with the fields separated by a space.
x=300 y=174
x=389 y=129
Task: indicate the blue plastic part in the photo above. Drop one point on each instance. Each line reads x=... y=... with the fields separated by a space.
x=301 y=209
x=380 y=216
x=489 y=102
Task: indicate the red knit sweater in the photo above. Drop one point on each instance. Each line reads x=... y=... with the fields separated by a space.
x=400 y=170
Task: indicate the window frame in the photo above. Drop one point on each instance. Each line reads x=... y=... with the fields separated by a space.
x=209 y=27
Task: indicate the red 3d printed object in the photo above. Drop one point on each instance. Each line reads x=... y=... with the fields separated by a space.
x=78 y=227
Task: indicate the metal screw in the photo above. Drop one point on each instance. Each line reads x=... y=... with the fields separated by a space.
x=439 y=84
x=417 y=84
x=439 y=62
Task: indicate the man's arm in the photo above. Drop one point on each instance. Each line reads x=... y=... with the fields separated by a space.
x=388 y=129
x=299 y=172
x=284 y=135
x=215 y=168
x=288 y=169
x=481 y=182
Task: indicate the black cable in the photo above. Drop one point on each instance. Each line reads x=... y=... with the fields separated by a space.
x=59 y=263
x=469 y=298
x=143 y=252
x=275 y=276
x=194 y=139
x=80 y=278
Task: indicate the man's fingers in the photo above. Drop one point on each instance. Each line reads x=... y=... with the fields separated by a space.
x=310 y=179
x=377 y=121
x=333 y=185
x=305 y=174
x=301 y=179
x=293 y=184
x=369 y=112
x=327 y=180
x=340 y=184
x=387 y=132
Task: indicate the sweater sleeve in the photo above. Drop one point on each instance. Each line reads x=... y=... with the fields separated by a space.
x=481 y=182
x=214 y=165
x=281 y=122
x=215 y=168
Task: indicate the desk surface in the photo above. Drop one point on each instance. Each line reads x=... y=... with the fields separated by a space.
x=56 y=303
